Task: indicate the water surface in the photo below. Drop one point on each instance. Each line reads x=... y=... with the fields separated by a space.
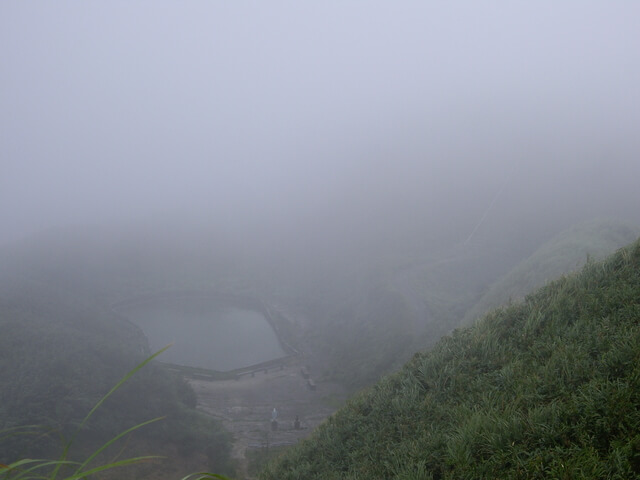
x=205 y=332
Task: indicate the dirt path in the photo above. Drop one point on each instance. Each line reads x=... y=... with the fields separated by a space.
x=245 y=407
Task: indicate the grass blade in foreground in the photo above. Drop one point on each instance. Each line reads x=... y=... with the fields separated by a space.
x=26 y=469
x=97 y=405
x=205 y=476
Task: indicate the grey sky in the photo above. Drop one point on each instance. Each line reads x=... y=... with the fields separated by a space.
x=285 y=110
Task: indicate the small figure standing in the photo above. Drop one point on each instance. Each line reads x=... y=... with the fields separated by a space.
x=296 y=423
x=274 y=414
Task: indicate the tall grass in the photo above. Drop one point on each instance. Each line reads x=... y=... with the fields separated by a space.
x=65 y=469
x=547 y=388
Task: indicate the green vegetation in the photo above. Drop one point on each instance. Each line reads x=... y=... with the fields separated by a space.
x=52 y=469
x=62 y=346
x=27 y=469
x=58 y=357
x=257 y=458
x=427 y=290
x=370 y=321
x=547 y=388
x=567 y=252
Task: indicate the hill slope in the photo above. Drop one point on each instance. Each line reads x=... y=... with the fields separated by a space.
x=566 y=252
x=549 y=388
x=59 y=355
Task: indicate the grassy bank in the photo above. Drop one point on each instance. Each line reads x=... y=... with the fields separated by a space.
x=547 y=388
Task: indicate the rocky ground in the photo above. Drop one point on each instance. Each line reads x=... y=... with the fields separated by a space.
x=245 y=407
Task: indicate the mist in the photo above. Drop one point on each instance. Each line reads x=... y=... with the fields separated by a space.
x=301 y=197
x=340 y=123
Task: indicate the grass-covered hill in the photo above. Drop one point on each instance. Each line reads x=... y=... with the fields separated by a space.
x=59 y=355
x=379 y=316
x=566 y=252
x=546 y=388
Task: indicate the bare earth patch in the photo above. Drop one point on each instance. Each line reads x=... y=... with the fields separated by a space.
x=245 y=407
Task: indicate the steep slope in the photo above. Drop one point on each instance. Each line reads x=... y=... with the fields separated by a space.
x=566 y=252
x=393 y=306
x=548 y=388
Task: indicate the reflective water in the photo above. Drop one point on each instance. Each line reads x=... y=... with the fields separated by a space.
x=206 y=333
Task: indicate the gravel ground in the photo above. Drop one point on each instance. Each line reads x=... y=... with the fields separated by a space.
x=245 y=407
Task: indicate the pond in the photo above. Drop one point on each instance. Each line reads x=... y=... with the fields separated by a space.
x=206 y=332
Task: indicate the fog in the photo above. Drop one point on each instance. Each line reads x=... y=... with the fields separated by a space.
x=339 y=122
x=301 y=196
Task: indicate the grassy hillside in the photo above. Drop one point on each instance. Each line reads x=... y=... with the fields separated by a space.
x=566 y=252
x=373 y=320
x=59 y=355
x=547 y=388
x=367 y=321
